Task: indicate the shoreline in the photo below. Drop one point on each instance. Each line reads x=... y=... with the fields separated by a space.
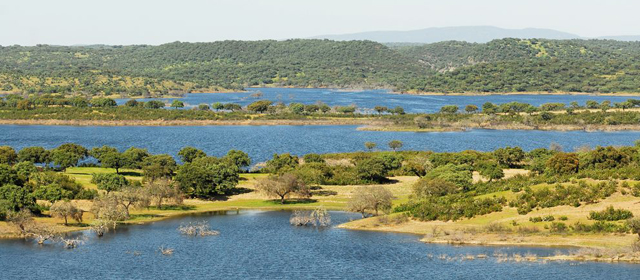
x=364 y=124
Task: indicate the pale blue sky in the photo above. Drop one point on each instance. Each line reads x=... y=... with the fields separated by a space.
x=68 y=22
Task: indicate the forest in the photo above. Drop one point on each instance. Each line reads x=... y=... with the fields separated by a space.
x=500 y=66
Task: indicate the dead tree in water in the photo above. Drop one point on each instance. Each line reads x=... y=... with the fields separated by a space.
x=197 y=229
x=316 y=218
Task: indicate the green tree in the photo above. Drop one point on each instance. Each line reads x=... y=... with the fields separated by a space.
x=282 y=163
x=509 y=156
x=159 y=167
x=188 y=154
x=114 y=160
x=34 y=155
x=7 y=155
x=259 y=106
x=449 y=109
x=177 y=104
x=135 y=157
x=471 y=108
x=395 y=145
x=52 y=193
x=370 y=146
x=109 y=182
x=563 y=163
x=238 y=158
x=207 y=177
x=491 y=170
x=217 y=106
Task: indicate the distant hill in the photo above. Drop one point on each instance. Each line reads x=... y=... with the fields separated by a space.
x=503 y=65
x=472 y=34
x=628 y=38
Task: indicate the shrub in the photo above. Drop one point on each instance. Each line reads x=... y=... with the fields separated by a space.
x=610 y=214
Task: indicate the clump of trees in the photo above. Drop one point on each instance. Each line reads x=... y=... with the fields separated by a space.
x=610 y=214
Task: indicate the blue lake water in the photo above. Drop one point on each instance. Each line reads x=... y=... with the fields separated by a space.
x=262 y=245
x=261 y=142
x=366 y=100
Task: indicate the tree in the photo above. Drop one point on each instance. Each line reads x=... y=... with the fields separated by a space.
x=313 y=158
x=129 y=196
x=380 y=109
x=471 y=108
x=436 y=187
x=203 y=107
x=113 y=160
x=460 y=175
x=135 y=157
x=217 y=106
x=107 y=210
x=16 y=197
x=109 y=182
x=103 y=102
x=7 y=155
x=449 y=109
x=563 y=163
x=154 y=104
x=282 y=163
x=370 y=146
x=282 y=186
x=371 y=170
x=159 y=166
x=374 y=198
x=162 y=190
x=509 y=156
x=52 y=193
x=491 y=170
x=207 y=177
x=489 y=108
x=238 y=158
x=64 y=159
x=188 y=154
x=634 y=225
x=177 y=104
x=34 y=155
x=68 y=155
x=397 y=111
x=395 y=145
x=132 y=103
x=260 y=106
x=65 y=210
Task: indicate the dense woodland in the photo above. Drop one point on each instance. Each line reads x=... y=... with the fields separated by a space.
x=506 y=65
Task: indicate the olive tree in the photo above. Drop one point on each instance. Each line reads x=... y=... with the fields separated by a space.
x=370 y=146
x=109 y=182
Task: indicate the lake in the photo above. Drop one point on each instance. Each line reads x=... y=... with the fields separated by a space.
x=366 y=100
x=262 y=245
x=261 y=142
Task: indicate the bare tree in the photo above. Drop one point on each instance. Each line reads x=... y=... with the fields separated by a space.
x=161 y=190
x=283 y=186
x=23 y=220
x=371 y=198
x=66 y=210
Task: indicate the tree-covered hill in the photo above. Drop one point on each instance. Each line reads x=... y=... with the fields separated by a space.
x=506 y=65
x=196 y=66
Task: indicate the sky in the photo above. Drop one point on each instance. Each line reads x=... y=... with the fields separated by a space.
x=124 y=22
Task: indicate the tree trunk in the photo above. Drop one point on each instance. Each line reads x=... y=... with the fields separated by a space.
x=65 y=220
x=282 y=199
